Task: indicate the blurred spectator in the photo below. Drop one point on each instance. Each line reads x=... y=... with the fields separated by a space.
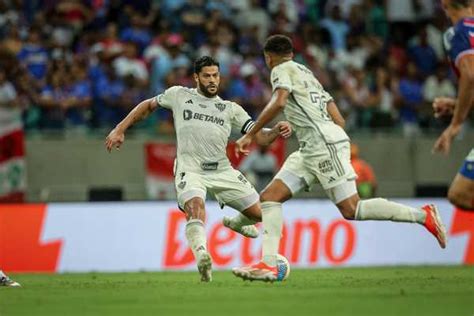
x=137 y=33
x=376 y=19
x=109 y=91
x=366 y=181
x=34 y=55
x=8 y=95
x=401 y=15
x=80 y=95
x=284 y=9
x=359 y=98
x=220 y=46
x=256 y=18
x=337 y=27
x=259 y=167
x=110 y=45
x=129 y=64
x=422 y=54
x=193 y=17
x=74 y=12
x=53 y=100
x=345 y=5
x=410 y=100
x=69 y=59
x=164 y=58
x=438 y=85
x=132 y=95
x=435 y=32
x=12 y=42
x=356 y=20
x=385 y=114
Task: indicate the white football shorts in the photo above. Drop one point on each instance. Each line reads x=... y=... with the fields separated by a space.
x=228 y=186
x=329 y=165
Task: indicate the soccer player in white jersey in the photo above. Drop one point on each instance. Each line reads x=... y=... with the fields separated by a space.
x=203 y=124
x=459 y=44
x=6 y=281
x=323 y=157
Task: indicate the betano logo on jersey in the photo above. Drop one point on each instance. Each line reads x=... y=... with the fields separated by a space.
x=190 y=115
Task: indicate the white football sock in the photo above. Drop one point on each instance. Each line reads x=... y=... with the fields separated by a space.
x=384 y=210
x=196 y=236
x=241 y=220
x=272 y=220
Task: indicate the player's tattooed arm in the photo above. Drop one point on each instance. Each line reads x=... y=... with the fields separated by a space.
x=335 y=114
x=266 y=136
x=117 y=136
x=462 y=106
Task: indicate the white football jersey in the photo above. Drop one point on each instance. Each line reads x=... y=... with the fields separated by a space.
x=203 y=126
x=306 y=108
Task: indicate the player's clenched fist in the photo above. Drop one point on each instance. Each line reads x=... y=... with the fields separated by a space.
x=114 y=139
x=443 y=106
x=284 y=128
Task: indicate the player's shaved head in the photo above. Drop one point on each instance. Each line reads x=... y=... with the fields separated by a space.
x=279 y=45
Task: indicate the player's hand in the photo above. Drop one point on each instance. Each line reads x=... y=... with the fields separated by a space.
x=284 y=129
x=443 y=144
x=242 y=145
x=443 y=106
x=114 y=139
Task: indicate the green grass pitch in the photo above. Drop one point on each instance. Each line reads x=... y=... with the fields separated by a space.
x=349 y=291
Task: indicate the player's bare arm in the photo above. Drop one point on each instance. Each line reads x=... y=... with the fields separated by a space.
x=462 y=106
x=335 y=114
x=271 y=110
x=117 y=136
x=266 y=136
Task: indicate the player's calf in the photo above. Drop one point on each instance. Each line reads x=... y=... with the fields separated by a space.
x=461 y=193
x=348 y=207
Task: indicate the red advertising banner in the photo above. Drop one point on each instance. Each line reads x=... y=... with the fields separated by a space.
x=52 y=238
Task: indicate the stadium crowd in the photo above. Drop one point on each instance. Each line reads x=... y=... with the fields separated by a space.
x=70 y=64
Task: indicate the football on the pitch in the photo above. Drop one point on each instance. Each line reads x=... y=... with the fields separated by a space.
x=283 y=267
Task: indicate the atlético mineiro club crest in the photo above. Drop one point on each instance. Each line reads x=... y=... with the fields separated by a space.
x=220 y=106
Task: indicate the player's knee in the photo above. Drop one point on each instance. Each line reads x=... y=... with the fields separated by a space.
x=194 y=208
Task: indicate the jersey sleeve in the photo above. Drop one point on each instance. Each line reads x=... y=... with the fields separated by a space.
x=462 y=43
x=281 y=79
x=241 y=120
x=168 y=99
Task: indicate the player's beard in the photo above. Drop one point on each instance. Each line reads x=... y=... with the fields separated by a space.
x=205 y=90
